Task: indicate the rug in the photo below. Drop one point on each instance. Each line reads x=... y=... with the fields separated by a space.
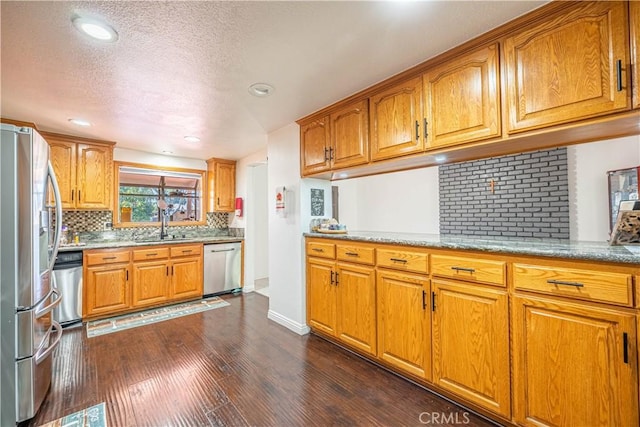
x=93 y=416
x=155 y=315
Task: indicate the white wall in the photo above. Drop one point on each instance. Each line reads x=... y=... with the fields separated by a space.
x=401 y=201
x=134 y=156
x=260 y=212
x=588 y=186
x=286 y=290
x=253 y=221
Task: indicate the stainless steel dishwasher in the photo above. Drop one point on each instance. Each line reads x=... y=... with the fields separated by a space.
x=222 y=265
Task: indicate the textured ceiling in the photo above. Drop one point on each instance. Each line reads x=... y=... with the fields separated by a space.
x=183 y=68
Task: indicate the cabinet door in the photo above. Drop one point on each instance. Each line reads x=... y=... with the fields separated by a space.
x=463 y=99
x=356 y=306
x=471 y=344
x=94 y=177
x=566 y=67
x=634 y=19
x=106 y=289
x=186 y=278
x=225 y=186
x=314 y=146
x=574 y=365
x=150 y=283
x=63 y=160
x=396 y=118
x=404 y=330
x=350 y=135
x=321 y=295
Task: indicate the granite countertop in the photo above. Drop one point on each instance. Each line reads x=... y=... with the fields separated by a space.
x=568 y=249
x=105 y=244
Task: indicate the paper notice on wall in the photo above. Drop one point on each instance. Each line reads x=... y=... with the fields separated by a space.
x=280 y=201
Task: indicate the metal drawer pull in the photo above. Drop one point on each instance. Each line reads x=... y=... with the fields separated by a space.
x=351 y=254
x=403 y=261
x=560 y=282
x=152 y=254
x=317 y=249
x=186 y=251
x=106 y=258
x=468 y=270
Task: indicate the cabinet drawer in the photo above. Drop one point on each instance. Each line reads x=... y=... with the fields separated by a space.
x=399 y=259
x=356 y=253
x=150 y=253
x=97 y=258
x=469 y=269
x=590 y=285
x=321 y=249
x=185 y=250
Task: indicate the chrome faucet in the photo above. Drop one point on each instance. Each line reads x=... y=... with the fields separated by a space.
x=164 y=223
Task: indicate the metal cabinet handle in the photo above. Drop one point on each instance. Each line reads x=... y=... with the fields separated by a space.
x=152 y=254
x=619 y=72
x=402 y=261
x=417 y=130
x=186 y=251
x=351 y=254
x=72 y=194
x=561 y=282
x=317 y=249
x=106 y=258
x=468 y=270
x=78 y=195
x=426 y=133
x=424 y=302
x=332 y=273
x=337 y=282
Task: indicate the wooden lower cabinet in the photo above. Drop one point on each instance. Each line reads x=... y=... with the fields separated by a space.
x=341 y=302
x=570 y=365
x=186 y=278
x=471 y=343
x=404 y=322
x=150 y=283
x=106 y=289
x=356 y=306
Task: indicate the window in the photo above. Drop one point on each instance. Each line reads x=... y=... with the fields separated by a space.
x=140 y=188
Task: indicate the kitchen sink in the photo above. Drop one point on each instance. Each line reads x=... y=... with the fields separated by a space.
x=170 y=238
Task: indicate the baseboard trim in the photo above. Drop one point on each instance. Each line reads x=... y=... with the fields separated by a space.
x=292 y=325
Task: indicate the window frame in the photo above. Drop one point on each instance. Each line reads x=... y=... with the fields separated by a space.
x=116 y=195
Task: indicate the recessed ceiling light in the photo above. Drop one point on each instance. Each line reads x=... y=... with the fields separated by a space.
x=80 y=122
x=189 y=138
x=261 y=90
x=167 y=152
x=95 y=29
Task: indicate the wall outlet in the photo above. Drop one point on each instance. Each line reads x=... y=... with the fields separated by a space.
x=108 y=226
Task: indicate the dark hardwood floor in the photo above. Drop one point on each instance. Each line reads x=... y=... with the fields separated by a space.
x=232 y=367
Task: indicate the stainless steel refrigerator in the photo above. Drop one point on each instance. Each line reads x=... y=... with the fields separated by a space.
x=28 y=333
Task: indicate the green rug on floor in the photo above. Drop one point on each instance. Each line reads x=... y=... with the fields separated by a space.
x=93 y=416
x=154 y=315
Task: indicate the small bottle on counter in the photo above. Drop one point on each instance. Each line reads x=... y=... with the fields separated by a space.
x=76 y=238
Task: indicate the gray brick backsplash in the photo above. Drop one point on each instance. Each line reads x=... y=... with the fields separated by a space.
x=531 y=197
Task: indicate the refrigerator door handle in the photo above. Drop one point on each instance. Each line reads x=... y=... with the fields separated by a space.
x=40 y=356
x=48 y=308
x=58 y=201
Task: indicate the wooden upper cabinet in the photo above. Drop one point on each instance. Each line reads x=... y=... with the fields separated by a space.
x=571 y=66
x=350 y=135
x=94 y=176
x=84 y=171
x=221 y=185
x=573 y=364
x=396 y=121
x=63 y=160
x=314 y=146
x=463 y=99
x=634 y=20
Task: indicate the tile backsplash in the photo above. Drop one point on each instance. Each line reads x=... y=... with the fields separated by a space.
x=93 y=221
x=529 y=196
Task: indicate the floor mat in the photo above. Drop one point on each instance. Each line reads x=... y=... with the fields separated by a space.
x=155 y=315
x=93 y=416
